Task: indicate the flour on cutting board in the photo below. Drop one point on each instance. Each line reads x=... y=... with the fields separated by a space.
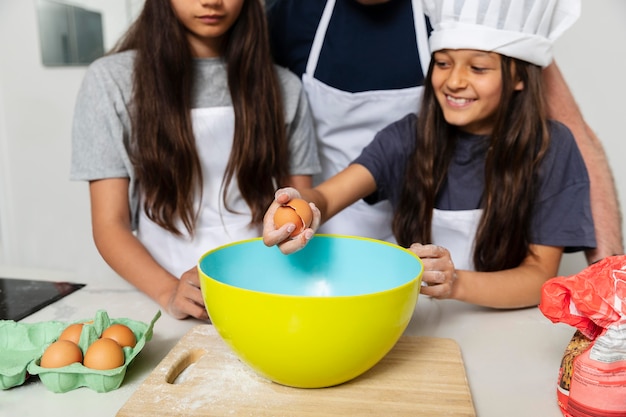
x=420 y=377
x=215 y=378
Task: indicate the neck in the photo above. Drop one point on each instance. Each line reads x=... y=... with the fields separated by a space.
x=203 y=48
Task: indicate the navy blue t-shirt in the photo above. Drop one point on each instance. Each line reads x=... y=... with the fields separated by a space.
x=562 y=211
x=366 y=47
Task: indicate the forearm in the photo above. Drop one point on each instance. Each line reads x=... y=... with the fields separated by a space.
x=127 y=256
x=514 y=288
x=313 y=195
x=120 y=248
x=604 y=202
x=340 y=191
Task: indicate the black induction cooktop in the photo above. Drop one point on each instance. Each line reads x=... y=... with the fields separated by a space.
x=22 y=297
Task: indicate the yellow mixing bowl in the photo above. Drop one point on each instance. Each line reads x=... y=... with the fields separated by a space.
x=315 y=318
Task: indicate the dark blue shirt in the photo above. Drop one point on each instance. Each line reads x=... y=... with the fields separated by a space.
x=366 y=47
x=562 y=211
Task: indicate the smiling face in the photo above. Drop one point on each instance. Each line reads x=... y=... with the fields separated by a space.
x=207 y=22
x=468 y=86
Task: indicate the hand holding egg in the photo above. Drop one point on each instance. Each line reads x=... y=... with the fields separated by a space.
x=296 y=211
x=290 y=221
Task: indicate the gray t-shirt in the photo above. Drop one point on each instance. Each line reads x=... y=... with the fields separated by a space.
x=102 y=129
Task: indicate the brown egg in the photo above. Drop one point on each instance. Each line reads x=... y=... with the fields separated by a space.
x=72 y=332
x=61 y=353
x=296 y=211
x=122 y=334
x=104 y=354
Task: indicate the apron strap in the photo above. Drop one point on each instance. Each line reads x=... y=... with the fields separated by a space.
x=320 y=34
x=419 y=22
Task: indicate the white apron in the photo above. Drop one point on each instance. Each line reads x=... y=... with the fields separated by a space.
x=456 y=230
x=346 y=122
x=213 y=129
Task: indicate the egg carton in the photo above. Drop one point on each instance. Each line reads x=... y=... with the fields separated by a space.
x=23 y=344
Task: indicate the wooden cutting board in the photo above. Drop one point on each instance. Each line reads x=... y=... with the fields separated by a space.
x=201 y=376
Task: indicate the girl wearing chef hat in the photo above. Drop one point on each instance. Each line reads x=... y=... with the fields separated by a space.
x=486 y=190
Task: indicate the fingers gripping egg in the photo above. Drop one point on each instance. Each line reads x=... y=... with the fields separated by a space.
x=296 y=211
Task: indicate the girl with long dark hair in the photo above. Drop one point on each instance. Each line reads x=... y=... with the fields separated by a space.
x=183 y=131
x=490 y=189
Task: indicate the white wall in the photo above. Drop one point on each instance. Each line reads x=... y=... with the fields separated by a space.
x=44 y=218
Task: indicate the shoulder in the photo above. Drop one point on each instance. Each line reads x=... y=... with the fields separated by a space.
x=562 y=215
x=291 y=87
x=292 y=26
x=112 y=70
x=387 y=155
x=402 y=131
x=396 y=141
x=118 y=63
x=562 y=142
x=107 y=85
x=559 y=130
x=563 y=164
x=289 y=80
x=408 y=121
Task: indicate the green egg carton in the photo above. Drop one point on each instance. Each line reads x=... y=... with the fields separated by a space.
x=76 y=375
x=20 y=344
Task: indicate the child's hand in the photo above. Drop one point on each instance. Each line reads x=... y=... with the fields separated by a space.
x=280 y=237
x=439 y=272
x=186 y=299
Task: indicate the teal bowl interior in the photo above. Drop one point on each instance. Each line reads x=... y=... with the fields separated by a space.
x=330 y=265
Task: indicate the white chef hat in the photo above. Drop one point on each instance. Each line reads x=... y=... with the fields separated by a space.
x=523 y=29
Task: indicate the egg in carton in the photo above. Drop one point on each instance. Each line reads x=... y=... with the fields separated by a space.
x=77 y=375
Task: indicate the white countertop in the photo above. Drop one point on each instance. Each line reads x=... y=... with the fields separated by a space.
x=511 y=357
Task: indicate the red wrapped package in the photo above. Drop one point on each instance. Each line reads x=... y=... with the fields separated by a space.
x=592 y=377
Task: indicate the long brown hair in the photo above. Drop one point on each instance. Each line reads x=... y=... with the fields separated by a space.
x=163 y=150
x=517 y=145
